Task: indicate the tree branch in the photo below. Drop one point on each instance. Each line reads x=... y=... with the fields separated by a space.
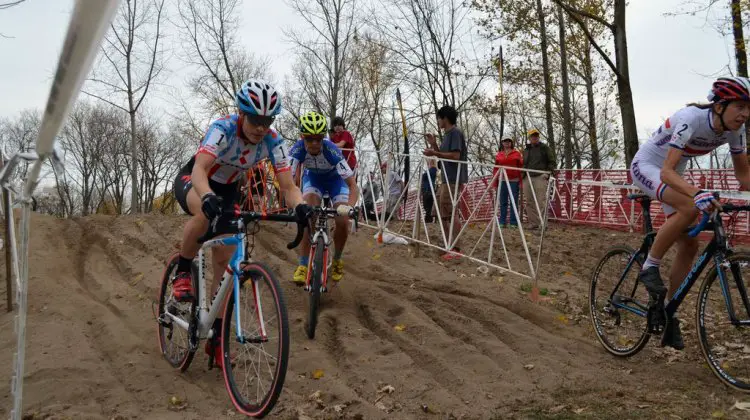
x=104 y=100
x=593 y=41
x=572 y=10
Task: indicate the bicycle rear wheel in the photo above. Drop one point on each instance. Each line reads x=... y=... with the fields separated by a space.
x=726 y=346
x=254 y=370
x=316 y=282
x=175 y=341
x=618 y=303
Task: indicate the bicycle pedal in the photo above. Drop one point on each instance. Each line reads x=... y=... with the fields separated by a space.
x=656 y=318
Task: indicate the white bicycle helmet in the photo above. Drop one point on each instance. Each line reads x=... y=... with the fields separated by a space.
x=257 y=97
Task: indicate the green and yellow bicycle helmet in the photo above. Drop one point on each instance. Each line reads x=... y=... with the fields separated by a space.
x=312 y=123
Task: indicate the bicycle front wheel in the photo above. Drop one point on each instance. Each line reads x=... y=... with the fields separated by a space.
x=256 y=353
x=316 y=282
x=618 y=303
x=726 y=344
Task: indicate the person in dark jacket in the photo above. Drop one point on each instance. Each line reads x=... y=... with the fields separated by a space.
x=540 y=157
x=428 y=197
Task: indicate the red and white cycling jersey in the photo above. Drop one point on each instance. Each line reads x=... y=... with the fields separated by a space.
x=234 y=156
x=690 y=130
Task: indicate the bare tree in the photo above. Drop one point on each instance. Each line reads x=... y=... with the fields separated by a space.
x=210 y=45
x=19 y=135
x=619 y=67
x=131 y=62
x=83 y=138
x=566 y=116
x=160 y=156
x=328 y=52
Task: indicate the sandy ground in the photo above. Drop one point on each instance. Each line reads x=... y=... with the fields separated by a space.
x=469 y=344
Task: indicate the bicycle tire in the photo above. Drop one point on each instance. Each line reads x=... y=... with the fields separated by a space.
x=262 y=274
x=316 y=282
x=181 y=362
x=717 y=363
x=625 y=350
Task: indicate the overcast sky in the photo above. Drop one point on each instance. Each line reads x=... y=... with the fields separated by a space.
x=672 y=60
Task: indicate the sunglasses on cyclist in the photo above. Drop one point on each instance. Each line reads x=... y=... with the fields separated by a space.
x=259 y=120
x=313 y=138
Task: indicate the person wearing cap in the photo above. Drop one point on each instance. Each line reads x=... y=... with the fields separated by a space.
x=508 y=157
x=539 y=157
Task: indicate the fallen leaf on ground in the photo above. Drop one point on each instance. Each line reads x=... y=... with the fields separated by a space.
x=388 y=389
x=317 y=373
x=718 y=414
x=399 y=327
x=557 y=409
x=528 y=367
x=579 y=410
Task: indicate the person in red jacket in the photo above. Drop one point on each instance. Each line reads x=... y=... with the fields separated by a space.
x=510 y=158
x=343 y=139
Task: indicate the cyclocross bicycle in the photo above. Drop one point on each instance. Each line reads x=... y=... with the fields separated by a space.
x=254 y=336
x=316 y=282
x=618 y=302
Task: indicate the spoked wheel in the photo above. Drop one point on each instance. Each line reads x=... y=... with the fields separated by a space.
x=725 y=345
x=316 y=282
x=175 y=341
x=618 y=303
x=255 y=363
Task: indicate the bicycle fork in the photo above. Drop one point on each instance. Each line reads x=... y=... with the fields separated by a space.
x=324 y=276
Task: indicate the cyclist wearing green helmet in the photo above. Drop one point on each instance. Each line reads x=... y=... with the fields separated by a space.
x=326 y=171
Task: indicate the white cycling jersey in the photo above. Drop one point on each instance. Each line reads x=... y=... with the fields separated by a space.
x=690 y=130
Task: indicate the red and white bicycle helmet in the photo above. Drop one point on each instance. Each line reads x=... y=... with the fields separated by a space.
x=258 y=97
x=727 y=89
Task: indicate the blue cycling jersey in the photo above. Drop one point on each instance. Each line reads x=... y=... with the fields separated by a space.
x=330 y=160
x=234 y=156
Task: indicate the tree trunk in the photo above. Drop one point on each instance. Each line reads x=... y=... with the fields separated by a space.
x=546 y=71
x=134 y=208
x=588 y=73
x=565 y=92
x=625 y=97
x=739 y=39
x=501 y=68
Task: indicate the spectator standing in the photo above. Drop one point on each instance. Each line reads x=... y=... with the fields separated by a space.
x=454 y=175
x=344 y=140
x=428 y=189
x=509 y=158
x=540 y=157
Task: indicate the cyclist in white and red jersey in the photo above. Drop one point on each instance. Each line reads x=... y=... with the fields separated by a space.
x=207 y=184
x=657 y=169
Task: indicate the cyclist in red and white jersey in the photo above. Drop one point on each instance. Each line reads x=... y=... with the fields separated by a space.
x=208 y=184
x=657 y=169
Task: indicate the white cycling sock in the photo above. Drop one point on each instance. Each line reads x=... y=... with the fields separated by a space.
x=651 y=262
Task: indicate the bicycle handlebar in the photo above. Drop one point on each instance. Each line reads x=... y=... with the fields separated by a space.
x=725 y=208
x=227 y=223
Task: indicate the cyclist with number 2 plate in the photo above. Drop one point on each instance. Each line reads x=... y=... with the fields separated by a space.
x=326 y=170
x=657 y=169
x=207 y=185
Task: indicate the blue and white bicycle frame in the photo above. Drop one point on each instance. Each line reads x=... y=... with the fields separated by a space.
x=207 y=313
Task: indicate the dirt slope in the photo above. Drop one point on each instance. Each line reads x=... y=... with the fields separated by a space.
x=473 y=345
